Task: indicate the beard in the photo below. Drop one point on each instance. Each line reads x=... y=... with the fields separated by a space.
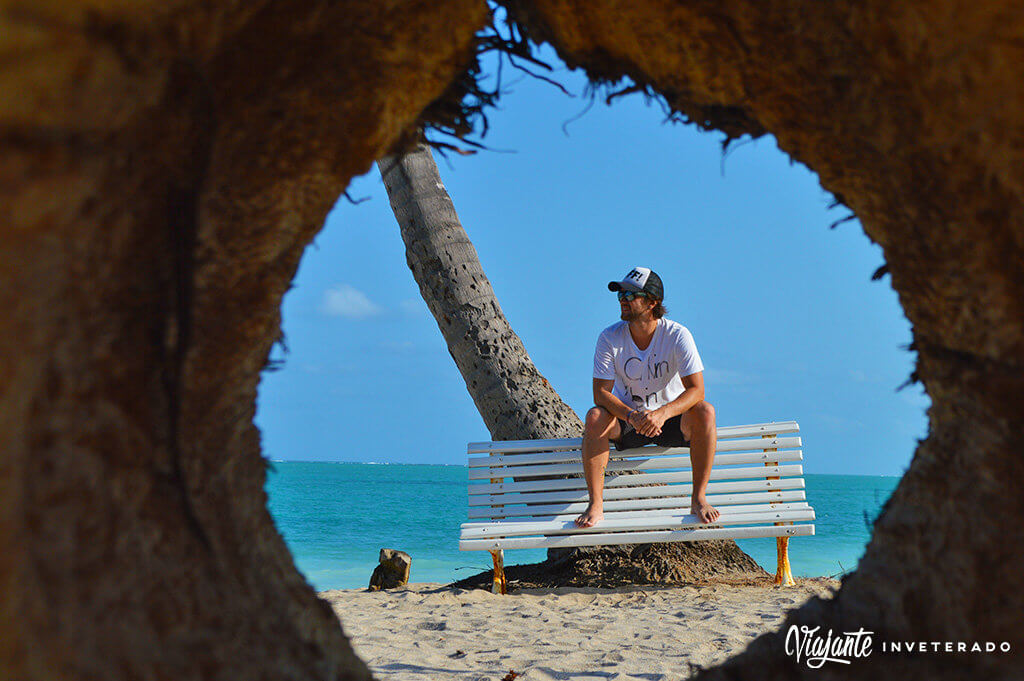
x=630 y=316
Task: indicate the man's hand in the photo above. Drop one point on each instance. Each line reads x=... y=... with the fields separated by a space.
x=649 y=423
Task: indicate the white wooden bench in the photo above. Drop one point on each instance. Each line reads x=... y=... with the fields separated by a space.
x=512 y=506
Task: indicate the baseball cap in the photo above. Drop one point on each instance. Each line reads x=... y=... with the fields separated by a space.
x=640 y=279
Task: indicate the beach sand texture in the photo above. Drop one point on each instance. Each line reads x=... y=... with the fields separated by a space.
x=429 y=631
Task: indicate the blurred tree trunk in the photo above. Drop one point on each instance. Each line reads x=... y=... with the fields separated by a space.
x=514 y=399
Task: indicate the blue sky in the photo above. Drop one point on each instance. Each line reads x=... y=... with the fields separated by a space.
x=782 y=308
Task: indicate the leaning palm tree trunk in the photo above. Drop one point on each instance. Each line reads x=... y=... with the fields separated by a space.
x=515 y=401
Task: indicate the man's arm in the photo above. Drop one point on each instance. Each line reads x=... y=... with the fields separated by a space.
x=603 y=397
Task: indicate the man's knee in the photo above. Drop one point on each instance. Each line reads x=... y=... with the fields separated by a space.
x=598 y=422
x=703 y=413
x=700 y=418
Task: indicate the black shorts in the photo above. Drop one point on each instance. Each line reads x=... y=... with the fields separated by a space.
x=671 y=436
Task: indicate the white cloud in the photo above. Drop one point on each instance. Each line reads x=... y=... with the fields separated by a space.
x=346 y=301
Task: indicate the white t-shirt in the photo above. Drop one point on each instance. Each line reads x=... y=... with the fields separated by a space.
x=651 y=378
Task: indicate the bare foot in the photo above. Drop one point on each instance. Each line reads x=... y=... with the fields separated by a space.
x=703 y=510
x=592 y=516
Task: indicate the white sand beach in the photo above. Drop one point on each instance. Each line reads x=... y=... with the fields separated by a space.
x=428 y=631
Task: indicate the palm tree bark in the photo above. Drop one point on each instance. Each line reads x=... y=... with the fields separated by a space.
x=515 y=401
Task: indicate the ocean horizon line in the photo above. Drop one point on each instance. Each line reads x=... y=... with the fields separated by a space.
x=457 y=465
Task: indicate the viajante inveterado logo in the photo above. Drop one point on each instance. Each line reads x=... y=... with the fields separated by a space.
x=816 y=648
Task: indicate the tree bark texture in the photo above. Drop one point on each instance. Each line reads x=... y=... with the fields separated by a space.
x=164 y=165
x=513 y=399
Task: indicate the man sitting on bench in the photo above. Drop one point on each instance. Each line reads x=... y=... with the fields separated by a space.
x=648 y=387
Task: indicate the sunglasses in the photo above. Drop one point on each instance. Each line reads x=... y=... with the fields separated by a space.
x=630 y=295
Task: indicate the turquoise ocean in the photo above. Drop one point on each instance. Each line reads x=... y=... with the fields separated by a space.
x=335 y=518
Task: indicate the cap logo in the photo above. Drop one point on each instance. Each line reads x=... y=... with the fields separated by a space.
x=638 y=275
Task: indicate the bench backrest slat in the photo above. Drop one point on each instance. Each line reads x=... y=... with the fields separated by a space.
x=574 y=455
x=758 y=429
x=635 y=492
x=635 y=480
x=637 y=463
x=482 y=472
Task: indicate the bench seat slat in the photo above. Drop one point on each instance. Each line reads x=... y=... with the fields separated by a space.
x=625 y=480
x=616 y=524
x=574 y=455
x=634 y=504
x=508 y=466
x=607 y=539
x=752 y=430
x=634 y=492
x=653 y=513
x=664 y=522
x=651 y=473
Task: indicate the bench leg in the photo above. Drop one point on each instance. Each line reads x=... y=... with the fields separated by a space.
x=783 y=576
x=499 y=585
